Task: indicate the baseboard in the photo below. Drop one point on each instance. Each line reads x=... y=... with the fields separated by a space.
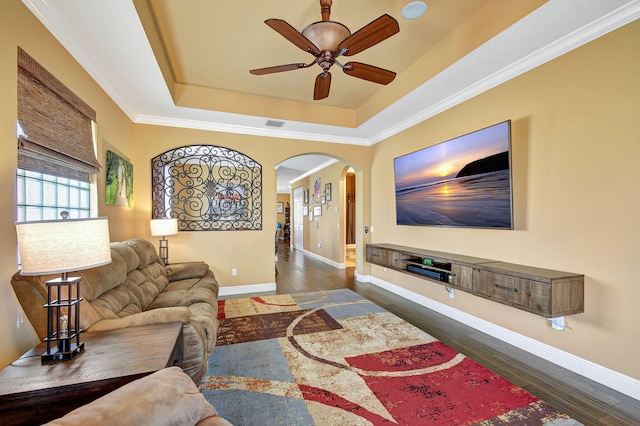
x=246 y=289
x=325 y=260
x=598 y=373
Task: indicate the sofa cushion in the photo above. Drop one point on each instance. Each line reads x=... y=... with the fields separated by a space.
x=153 y=280
x=183 y=298
x=181 y=271
x=97 y=281
x=115 y=303
x=127 y=253
x=154 y=316
x=145 y=250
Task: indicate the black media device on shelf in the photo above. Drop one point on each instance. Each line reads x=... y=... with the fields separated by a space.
x=431 y=268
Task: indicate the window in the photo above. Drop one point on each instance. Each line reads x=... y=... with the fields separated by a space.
x=42 y=196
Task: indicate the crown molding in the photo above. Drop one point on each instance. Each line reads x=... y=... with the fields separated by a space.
x=142 y=95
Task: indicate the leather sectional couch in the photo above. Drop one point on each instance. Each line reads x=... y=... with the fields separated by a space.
x=137 y=289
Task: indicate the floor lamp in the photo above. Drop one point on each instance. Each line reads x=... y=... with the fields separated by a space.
x=162 y=228
x=58 y=247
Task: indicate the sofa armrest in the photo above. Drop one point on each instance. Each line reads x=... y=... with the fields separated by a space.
x=166 y=397
x=153 y=316
x=213 y=421
x=186 y=270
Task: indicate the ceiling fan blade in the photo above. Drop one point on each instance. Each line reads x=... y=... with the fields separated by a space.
x=369 y=72
x=369 y=35
x=278 y=68
x=293 y=35
x=323 y=84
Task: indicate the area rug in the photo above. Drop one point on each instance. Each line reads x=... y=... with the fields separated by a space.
x=335 y=358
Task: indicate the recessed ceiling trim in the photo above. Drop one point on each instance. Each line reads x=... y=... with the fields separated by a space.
x=317 y=169
x=445 y=83
x=246 y=129
x=147 y=101
x=117 y=90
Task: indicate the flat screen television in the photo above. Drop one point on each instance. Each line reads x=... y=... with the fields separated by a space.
x=463 y=182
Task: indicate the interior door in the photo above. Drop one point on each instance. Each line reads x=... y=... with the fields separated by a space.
x=298 y=222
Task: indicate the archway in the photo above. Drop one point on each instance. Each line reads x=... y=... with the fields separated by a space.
x=328 y=215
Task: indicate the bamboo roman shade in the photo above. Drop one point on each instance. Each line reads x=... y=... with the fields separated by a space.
x=56 y=125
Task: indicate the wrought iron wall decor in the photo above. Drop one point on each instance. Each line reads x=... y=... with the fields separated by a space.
x=207 y=188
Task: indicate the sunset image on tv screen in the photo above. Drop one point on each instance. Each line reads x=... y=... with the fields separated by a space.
x=463 y=182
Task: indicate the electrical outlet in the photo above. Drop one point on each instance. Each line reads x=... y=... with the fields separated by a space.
x=558 y=323
x=320 y=245
x=234 y=272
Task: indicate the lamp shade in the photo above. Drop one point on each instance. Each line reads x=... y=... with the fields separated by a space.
x=60 y=246
x=162 y=227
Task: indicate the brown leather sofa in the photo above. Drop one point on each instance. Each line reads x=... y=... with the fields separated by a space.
x=166 y=397
x=137 y=289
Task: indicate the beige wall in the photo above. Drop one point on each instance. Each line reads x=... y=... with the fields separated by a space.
x=18 y=27
x=250 y=252
x=576 y=145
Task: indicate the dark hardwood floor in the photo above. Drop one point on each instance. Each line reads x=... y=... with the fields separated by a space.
x=583 y=399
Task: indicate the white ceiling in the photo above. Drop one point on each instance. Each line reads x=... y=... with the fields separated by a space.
x=108 y=39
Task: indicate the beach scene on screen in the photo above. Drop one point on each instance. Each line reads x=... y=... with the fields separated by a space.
x=463 y=182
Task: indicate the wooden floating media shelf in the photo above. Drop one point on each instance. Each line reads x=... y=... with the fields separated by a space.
x=540 y=291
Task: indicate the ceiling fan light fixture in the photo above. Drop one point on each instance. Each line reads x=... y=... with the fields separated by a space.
x=327 y=35
x=326 y=40
x=414 y=10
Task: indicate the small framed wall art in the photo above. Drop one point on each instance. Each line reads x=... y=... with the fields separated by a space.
x=327 y=191
x=316 y=189
x=119 y=181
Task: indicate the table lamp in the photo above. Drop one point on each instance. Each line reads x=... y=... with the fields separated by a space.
x=164 y=227
x=61 y=246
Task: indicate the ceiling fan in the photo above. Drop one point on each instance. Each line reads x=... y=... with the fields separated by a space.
x=327 y=40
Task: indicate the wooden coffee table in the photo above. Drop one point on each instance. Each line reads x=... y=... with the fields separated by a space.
x=32 y=393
